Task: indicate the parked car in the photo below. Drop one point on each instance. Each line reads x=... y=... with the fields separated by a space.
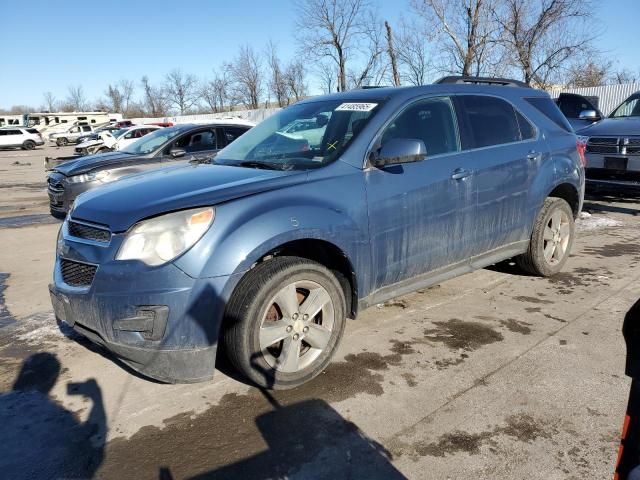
x=123 y=124
x=162 y=147
x=580 y=111
x=613 y=148
x=89 y=147
x=131 y=135
x=70 y=135
x=270 y=248
x=20 y=137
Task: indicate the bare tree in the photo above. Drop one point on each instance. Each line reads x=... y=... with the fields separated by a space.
x=278 y=85
x=295 y=78
x=395 y=75
x=625 y=76
x=181 y=90
x=542 y=36
x=246 y=77
x=467 y=31
x=49 y=101
x=591 y=74
x=76 y=99
x=412 y=53
x=331 y=29
x=154 y=101
x=327 y=74
x=372 y=68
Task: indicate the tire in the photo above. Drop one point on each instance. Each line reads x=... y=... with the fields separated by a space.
x=261 y=299
x=61 y=142
x=549 y=247
x=28 y=145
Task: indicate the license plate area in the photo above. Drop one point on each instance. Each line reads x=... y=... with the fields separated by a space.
x=616 y=163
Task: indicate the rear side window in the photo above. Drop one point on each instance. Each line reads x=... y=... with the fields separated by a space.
x=527 y=131
x=492 y=120
x=549 y=109
x=432 y=121
x=14 y=132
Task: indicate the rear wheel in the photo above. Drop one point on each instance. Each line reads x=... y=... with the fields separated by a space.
x=28 y=145
x=61 y=142
x=284 y=322
x=551 y=239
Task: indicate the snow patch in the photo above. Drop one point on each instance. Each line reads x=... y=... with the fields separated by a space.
x=590 y=222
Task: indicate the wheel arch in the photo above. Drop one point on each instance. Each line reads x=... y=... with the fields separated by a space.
x=325 y=253
x=569 y=193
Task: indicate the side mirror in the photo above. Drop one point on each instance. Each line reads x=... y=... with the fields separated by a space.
x=178 y=152
x=588 y=115
x=400 y=150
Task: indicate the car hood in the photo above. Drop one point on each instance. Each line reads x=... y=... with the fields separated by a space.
x=89 y=143
x=613 y=127
x=125 y=202
x=92 y=162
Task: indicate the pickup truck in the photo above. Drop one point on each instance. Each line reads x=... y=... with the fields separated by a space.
x=71 y=135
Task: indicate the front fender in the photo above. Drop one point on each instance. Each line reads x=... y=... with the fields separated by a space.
x=246 y=229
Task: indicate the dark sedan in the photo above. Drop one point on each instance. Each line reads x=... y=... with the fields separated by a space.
x=156 y=150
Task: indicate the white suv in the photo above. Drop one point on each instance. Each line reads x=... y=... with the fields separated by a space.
x=25 y=138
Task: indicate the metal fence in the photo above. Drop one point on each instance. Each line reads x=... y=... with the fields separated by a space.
x=254 y=116
x=609 y=96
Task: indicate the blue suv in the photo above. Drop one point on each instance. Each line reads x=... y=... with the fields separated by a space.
x=267 y=251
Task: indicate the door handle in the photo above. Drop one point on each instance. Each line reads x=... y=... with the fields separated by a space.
x=460 y=174
x=532 y=155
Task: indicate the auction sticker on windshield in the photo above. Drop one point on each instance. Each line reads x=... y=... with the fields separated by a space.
x=356 y=107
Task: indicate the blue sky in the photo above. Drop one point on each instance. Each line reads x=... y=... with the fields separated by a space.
x=49 y=45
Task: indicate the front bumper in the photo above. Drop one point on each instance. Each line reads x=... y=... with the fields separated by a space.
x=612 y=179
x=176 y=343
x=62 y=193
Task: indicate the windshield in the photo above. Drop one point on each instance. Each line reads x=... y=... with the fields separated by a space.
x=629 y=108
x=307 y=135
x=118 y=133
x=152 y=141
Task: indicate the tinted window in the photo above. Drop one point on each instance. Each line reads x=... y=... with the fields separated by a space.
x=492 y=120
x=14 y=132
x=86 y=129
x=549 y=109
x=32 y=130
x=572 y=105
x=197 y=141
x=231 y=133
x=3 y=133
x=431 y=121
x=527 y=131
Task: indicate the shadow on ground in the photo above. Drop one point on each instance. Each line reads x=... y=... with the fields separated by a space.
x=41 y=439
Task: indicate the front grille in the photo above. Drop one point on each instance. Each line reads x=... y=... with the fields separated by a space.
x=614 y=145
x=604 y=140
x=88 y=232
x=603 y=149
x=77 y=274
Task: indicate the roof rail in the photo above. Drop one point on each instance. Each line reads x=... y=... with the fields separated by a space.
x=505 y=82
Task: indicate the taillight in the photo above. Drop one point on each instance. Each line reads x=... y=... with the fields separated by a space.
x=581 y=146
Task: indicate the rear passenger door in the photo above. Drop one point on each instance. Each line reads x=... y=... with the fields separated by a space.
x=507 y=151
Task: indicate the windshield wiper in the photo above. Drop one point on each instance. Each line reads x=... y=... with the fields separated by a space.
x=263 y=165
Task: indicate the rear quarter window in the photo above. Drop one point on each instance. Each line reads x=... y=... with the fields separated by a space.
x=549 y=109
x=32 y=130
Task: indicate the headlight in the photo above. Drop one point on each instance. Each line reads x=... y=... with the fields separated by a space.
x=102 y=176
x=161 y=239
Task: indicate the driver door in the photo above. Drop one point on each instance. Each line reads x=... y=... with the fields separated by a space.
x=421 y=213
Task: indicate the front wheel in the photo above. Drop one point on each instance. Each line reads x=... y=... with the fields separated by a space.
x=551 y=239
x=29 y=145
x=61 y=142
x=284 y=322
